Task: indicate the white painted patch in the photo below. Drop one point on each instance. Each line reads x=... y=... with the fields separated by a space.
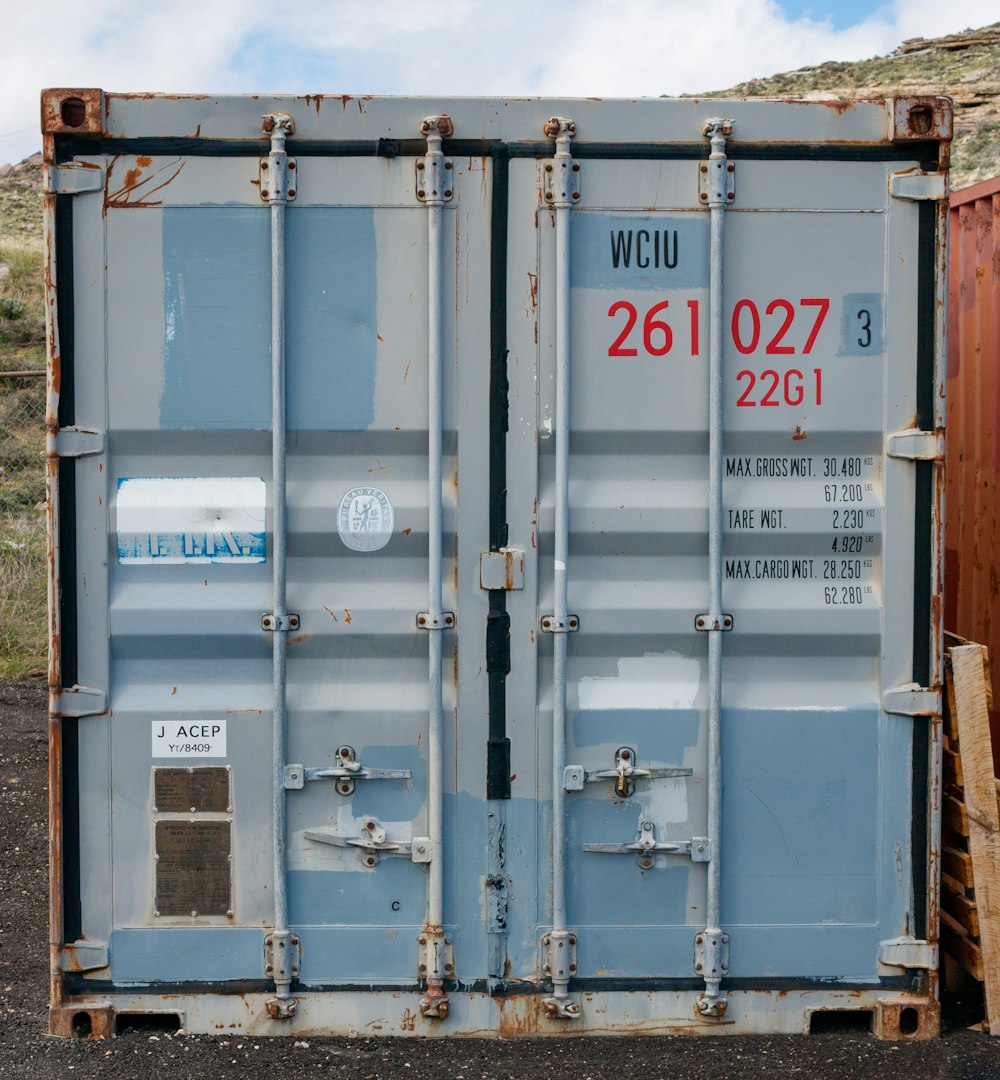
x=189 y=738
x=664 y=802
x=653 y=681
x=191 y=519
x=365 y=519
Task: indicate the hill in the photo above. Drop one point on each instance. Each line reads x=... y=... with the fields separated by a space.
x=965 y=67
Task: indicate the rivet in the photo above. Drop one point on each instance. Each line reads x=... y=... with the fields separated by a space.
x=420 y=165
x=447 y=193
x=420 y=193
x=263 y=164
x=295 y=622
x=291 y=166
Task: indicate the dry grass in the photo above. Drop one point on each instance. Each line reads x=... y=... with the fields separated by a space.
x=23 y=633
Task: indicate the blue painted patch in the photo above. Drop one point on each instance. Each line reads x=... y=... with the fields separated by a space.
x=669 y=731
x=217 y=310
x=186 y=954
x=861 y=325
x=639 y=251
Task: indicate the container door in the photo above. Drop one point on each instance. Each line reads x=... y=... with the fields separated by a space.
x=189 y=568
x=818 y=567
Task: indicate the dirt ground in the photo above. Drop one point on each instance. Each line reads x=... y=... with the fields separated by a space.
x=27 y=1052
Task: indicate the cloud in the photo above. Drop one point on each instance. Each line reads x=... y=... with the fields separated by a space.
x=468 y=47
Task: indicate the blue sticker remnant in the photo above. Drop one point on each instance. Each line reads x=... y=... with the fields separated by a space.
x=639 y=251
x=199 y=519
x=217 y=312
x=861 y=325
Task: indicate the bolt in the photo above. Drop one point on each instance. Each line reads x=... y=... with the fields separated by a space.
x=420 y=166
x=699 y=940
x=576 y=194
x=422 y=941
x=449 y=967
x=572 y=967
x=263 y=193
x=263 y=164
x=572 y=939
x=704 y=167
x=731 y=196
x=698 y=966
x=576 y=166
x=447 y=195
x=291 y=166
x=420 y=195
x=422 y=968
x=447 y=165
x=730 y=167
x=548 y=168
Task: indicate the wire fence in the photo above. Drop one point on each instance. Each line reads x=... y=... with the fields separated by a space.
x=23 y=578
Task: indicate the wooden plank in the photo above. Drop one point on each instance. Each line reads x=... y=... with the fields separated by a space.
x=957 y=945
x=962 y=910
x=949 y=883
x=973 y=723
x=958 y=864
x=954 y=815
x=952 y=763
x=950 y=727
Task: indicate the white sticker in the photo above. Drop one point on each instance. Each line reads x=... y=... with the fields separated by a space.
x=365 y=519
x=191 y=519
x=189 y=738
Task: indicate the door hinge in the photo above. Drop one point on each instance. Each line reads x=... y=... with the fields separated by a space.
x=916 y=445
x=907 y=952
x=503 y=569
x=79 y=442
x=281 y=961
x=912 y=700
x=84 y=956
x=73 y=178
x=919 y=186
x=81 y=701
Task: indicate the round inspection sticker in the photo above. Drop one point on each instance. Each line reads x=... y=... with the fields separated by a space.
x=365 y=519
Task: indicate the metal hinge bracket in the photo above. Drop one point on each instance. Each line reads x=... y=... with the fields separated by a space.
x=552 y=625
x=435 y=179
x=908 y=952
x=709 y=622
x=81 y=701
x=711 y=954
x=717 y=176
x=73 y=178
x=346 y=773
x=916 y=445
x=84 y=956
x=502 y=570
x=559 y=954
x=74 y=442
x=435 y=957
x=282 y=623
x=912 y=700
x=276 y=177
x=919 y=186
x=425 y=621
x=561 y=182
x=275 y=964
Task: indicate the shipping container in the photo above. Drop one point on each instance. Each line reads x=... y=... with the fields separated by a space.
x=496 y=563
x=973 y=457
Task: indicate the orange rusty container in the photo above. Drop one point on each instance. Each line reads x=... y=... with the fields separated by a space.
x=972 y=500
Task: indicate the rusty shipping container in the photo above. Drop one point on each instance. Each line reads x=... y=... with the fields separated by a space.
x=496 y=563
x=972 y=499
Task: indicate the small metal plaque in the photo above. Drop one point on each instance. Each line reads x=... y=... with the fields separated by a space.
x=195 y=790
x=193 y=870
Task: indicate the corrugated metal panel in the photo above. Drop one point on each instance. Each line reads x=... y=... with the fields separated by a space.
x=675 y=767
x=972 y=502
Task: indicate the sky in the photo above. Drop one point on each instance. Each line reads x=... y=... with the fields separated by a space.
x=557 y=48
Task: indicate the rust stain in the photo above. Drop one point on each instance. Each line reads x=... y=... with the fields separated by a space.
x=378 y=337
x=406 y=532
x=134 y=183
x=347 y=615
x=173 y=692
x=798 y=434
x=533 y=290
x=330 y=613
x=299 y=638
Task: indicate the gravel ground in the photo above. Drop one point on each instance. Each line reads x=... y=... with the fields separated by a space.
x=27 y=1052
